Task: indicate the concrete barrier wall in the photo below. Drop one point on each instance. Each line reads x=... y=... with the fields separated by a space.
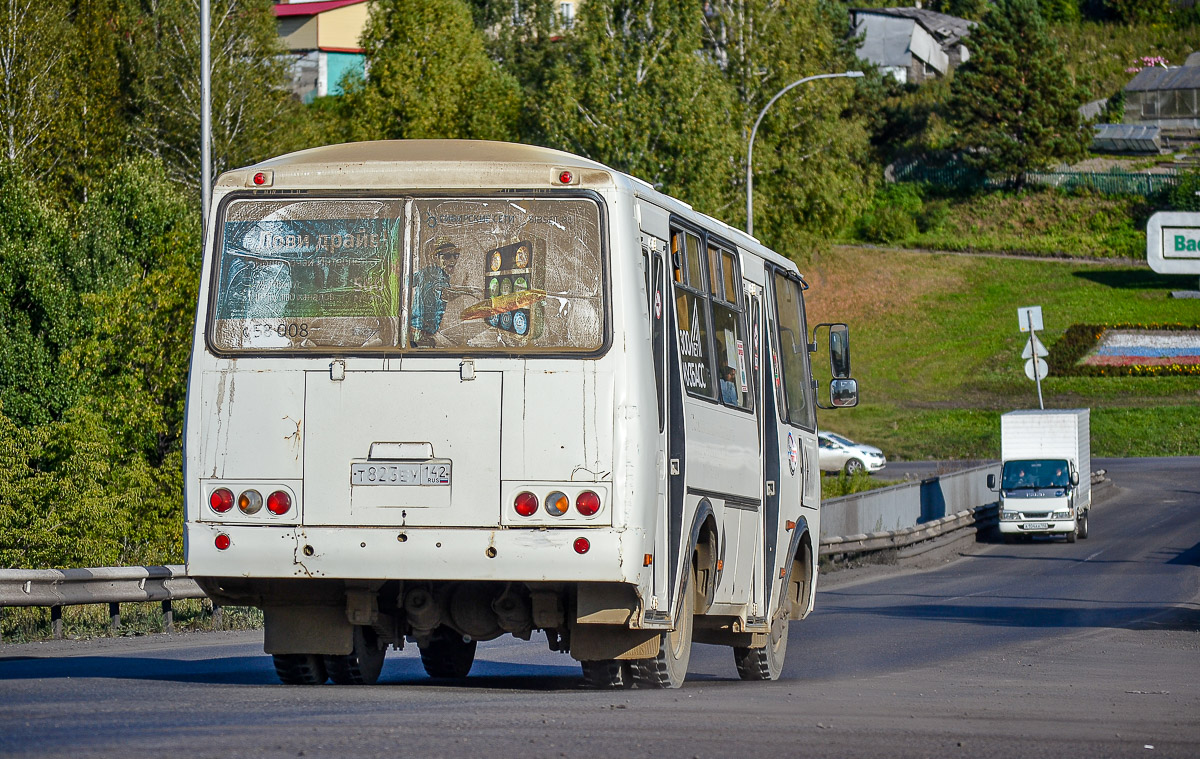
x=913 y=503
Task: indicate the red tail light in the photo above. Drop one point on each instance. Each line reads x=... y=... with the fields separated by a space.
x=221 y=500
x=526 y=504
x=222 y=542
x=279 y=503
x=588 y=503
x=582 y=545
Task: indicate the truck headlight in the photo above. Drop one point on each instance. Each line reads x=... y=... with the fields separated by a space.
x=1010 y=516
x=1067 y=514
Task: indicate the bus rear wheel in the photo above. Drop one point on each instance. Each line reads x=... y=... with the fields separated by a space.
x=669 y=668
x=300 y=669
x=362 y=665
x=608 y=674
x=765 y=663
x=447 y=655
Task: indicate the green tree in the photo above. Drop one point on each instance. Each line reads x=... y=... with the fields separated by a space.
x=38 y=303
x=35 y=79
x=1014 y=103
x=525 y=39
x=812 y=164
x=634 y=93
x=430 y=77
x=249 y=84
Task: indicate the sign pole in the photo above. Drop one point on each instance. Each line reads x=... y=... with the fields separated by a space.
x=1036 y=377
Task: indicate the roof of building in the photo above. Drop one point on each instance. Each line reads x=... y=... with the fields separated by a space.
x=1158 y=78
x=311 y=9
x=948 y=30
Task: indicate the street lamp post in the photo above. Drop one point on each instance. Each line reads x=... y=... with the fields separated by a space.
x=754 y=131
x=205 y=113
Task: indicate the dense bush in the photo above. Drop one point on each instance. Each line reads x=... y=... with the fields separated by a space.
x=892 y=216
x=90 y=448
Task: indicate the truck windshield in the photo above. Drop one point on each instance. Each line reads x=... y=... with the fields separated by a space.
x=357 y=275
x=1036 y=473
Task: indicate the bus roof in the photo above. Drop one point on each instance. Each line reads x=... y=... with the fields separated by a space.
x=453 y=164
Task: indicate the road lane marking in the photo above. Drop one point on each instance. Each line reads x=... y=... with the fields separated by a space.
x=1097 y=553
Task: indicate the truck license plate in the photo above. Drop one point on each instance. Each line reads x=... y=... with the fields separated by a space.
x=416 y=473
x=1037 y=526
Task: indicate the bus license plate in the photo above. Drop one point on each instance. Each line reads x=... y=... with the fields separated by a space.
x=1037 y=526
x=423 y=473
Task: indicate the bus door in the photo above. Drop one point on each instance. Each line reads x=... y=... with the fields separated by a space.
x=654 y=252
x=790 y=425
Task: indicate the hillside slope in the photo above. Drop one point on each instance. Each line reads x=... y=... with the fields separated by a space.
x=936 y=349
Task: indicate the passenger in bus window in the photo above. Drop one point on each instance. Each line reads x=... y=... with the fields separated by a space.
x=430 y=289
x=729 y=392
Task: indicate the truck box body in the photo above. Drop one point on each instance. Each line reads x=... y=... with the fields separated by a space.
x=1033 y=440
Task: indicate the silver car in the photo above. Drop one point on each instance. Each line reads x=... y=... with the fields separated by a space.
x=841 y=454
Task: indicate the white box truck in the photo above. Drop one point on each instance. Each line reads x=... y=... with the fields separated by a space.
x=1046 y=475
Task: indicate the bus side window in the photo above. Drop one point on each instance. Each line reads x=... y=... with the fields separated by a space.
x=691 y=309
x=733 y=372
x=792 y=335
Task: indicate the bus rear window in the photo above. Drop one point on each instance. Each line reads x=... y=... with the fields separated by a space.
x=458 y=274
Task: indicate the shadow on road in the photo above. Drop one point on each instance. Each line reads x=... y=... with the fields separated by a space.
x=1136 y=617
x=257 y=670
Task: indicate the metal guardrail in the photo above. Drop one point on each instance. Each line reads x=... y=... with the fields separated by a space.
x=978 y=518
x=57 y=588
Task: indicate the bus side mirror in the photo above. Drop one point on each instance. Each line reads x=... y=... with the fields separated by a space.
x=838 y=337
x=1074 y=478
x=843 y=393
x=991 y=482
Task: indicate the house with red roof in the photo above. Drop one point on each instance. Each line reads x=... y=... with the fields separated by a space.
x=322 y=38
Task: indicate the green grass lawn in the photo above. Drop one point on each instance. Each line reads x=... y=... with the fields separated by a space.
x=936 y=350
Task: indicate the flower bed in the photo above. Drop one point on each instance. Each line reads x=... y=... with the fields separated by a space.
x=1116 y=350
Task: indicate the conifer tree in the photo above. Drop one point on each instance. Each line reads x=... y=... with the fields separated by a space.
x=1014 y=103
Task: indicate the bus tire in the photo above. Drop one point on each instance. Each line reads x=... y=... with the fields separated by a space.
x=669 y=668
x=300 y=669
x=362 y=665
x=765 y=663
x=448 y=655
x=607 y=674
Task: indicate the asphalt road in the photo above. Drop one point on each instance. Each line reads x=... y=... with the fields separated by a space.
x=1043 y=649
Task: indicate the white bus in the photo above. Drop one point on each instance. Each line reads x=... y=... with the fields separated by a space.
x=442 y=391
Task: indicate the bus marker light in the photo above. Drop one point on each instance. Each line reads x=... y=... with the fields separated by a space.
x=566 y=177
x=557 y=503
x=782 y=572
x=222 y=542
x=790 y=525
x=279 y=503
x=582 y=545
x=647 y=560
x=263 y=178
x=588 y=503
x=526 y=504
x=221 y=500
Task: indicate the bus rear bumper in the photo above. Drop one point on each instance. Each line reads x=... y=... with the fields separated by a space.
x=518 y=555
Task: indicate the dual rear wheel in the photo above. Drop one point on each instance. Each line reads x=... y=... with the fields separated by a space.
x=359 y=667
